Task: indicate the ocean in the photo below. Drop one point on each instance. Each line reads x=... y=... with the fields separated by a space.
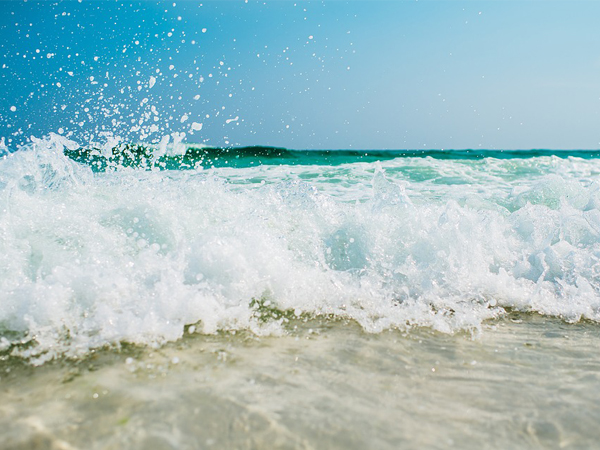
x=192 y=297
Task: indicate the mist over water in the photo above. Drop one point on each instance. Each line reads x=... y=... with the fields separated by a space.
x=129 y=254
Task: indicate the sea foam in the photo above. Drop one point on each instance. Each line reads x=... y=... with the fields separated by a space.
x=91 y=259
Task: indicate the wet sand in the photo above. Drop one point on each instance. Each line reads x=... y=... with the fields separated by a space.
x=525 y=382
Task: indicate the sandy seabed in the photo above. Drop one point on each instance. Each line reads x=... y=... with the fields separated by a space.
x=524 y=382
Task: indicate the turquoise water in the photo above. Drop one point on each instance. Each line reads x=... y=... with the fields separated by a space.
x=109 y=245
x=195 y=156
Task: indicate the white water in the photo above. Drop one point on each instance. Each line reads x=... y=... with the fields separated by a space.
x=90 y=259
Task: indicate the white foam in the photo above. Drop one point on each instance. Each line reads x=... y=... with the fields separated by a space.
x=88 y=259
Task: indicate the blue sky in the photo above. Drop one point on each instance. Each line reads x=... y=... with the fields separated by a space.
x=359 y=74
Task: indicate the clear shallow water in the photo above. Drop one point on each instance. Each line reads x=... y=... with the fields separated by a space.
x=98 y=251
x=526 y=382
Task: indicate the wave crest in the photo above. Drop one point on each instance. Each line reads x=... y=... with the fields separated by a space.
x=93 y=259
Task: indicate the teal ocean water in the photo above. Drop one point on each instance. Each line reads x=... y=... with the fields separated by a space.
x=105 y=245
x=199 y=156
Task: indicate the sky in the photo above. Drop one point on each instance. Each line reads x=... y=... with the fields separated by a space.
x=390 y=74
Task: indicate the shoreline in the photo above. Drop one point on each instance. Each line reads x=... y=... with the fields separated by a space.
x=526 y=381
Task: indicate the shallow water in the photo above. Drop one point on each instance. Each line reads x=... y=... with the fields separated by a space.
x=525 y=382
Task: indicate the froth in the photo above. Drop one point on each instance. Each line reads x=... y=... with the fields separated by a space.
x=93 y=259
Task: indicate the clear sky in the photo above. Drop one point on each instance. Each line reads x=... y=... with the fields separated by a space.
x=331 y=74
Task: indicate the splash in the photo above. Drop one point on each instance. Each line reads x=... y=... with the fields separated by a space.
x=90 y=258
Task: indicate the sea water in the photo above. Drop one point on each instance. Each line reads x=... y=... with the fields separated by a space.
x=185 y=297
